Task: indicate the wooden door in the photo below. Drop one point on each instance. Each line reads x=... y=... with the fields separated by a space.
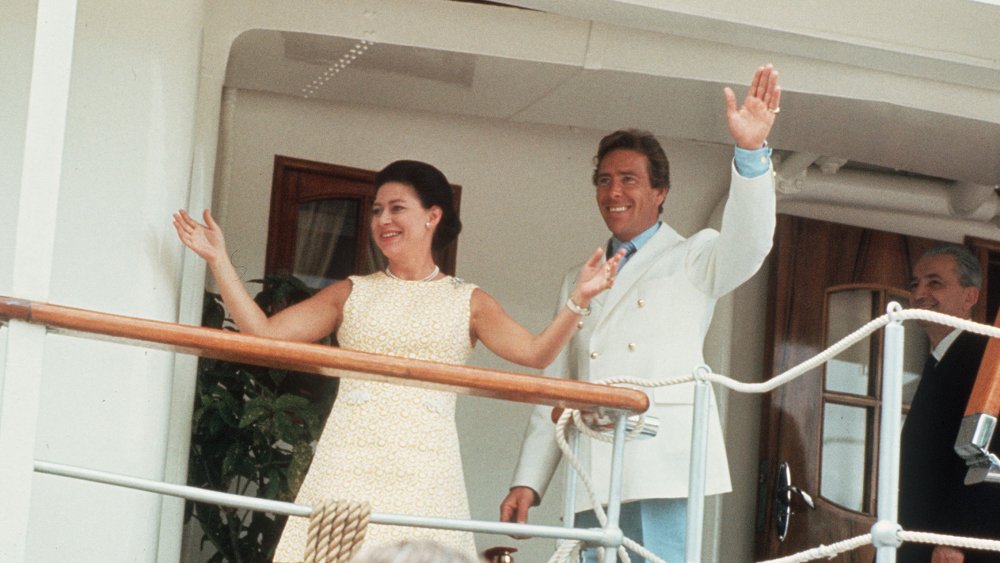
x=819 y=433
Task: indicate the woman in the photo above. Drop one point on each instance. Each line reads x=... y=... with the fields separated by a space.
x=396 y=446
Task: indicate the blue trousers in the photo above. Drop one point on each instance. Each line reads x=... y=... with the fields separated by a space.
x=658 y=524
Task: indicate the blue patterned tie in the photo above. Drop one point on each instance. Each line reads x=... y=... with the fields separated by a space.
x=614 y=248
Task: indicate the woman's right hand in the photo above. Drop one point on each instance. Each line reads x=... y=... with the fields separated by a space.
x=205 y=240
x=596 y=276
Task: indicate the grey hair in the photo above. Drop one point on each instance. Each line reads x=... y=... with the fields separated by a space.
x=969 y=273
x=422 y=551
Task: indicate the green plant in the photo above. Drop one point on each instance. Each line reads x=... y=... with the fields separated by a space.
x=252 y=434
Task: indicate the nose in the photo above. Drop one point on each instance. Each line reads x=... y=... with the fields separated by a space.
x=919 y=291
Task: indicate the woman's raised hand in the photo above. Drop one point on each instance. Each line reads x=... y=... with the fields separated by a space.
x=205 y=240
x=596 y=276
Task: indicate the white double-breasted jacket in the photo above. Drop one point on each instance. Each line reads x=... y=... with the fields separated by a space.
x=651 y=325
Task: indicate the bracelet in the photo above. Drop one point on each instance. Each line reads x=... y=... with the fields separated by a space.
x=576 y=309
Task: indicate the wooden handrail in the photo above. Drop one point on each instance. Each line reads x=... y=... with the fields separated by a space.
x=985 y=396
x=323 y=360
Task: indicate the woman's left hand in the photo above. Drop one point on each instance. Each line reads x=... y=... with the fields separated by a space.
x=596 y=276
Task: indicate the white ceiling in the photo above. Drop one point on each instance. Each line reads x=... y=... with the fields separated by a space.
x=907 y=85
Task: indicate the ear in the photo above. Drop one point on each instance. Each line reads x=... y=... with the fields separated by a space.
x=970 y=297
x=434 y=215
x=662 y=195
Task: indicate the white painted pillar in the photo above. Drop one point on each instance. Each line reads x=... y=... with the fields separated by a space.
x=34 y=243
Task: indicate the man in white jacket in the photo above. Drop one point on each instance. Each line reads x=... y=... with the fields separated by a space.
x=651 y=324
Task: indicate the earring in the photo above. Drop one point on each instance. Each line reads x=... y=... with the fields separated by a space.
x=427 y=224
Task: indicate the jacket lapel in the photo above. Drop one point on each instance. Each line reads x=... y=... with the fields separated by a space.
x=640 y=263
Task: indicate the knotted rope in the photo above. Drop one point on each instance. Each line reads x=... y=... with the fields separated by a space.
x=336 y=530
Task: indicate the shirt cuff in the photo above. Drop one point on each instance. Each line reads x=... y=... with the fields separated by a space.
x=751 y=164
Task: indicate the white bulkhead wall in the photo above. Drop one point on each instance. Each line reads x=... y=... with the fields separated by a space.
x=126 y=166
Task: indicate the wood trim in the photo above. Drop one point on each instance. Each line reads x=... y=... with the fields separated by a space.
x=983 y=249
x=323 y=360
x=286 y=196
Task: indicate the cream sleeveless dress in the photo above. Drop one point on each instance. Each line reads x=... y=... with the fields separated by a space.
x=392 y=445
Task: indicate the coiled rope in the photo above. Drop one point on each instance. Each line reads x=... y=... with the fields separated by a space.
x=568 y=550
x=336 y=530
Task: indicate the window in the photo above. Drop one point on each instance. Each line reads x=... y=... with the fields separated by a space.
x=852 y=389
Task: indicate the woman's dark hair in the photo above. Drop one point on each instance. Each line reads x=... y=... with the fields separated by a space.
x=432 y=189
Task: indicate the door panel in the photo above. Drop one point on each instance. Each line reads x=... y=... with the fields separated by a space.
x=821 y=266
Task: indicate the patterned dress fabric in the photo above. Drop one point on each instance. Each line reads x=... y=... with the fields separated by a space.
x=392 y=445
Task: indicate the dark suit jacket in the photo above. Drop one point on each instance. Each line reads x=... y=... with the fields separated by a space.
x=933 y=496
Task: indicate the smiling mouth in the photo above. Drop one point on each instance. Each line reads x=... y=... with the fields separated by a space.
x=389 y=235
x=619 y=209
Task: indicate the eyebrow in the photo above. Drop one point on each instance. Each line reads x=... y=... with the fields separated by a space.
x=618 y=173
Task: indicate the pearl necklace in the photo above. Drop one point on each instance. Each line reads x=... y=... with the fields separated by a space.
x=428 y=278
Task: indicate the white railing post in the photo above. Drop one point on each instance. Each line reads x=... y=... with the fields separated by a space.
x=697 y=468
x=569 y=500
x=615 y=488
x=884 y=532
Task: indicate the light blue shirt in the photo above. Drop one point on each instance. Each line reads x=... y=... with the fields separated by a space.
x=751 y=164
x=642 y=238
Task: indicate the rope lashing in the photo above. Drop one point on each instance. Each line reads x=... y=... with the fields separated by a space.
x=336 y=530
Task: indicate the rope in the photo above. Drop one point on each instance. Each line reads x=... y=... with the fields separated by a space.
x=336 y=530
x=953 y=541
x=817 y=360
x=825 y=551
x=831 y=551
x=568 y=549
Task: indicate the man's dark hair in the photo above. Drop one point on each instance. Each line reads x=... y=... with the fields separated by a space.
x=640 y=141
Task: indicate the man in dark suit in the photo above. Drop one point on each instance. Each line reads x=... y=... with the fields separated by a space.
x=933 y=496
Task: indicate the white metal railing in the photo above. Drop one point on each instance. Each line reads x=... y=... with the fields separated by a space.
x=886 y=535
x=617 y=403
